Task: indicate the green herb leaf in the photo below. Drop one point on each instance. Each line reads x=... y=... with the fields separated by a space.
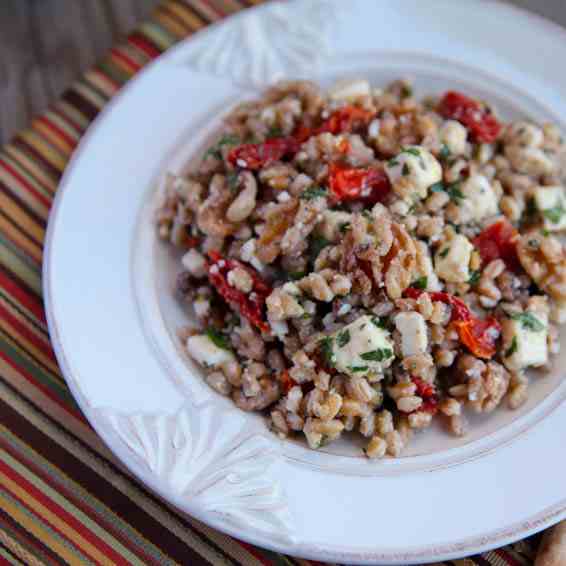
x=274 y=132
x=529 y=321
x=444 y=152
x=437 y=187
x=393 y=162
x=232 y=180
x=545 y=232
x=344 y=227
x=326 y=350
x=444 y=252
x=513 y=348
x=405 y=171
x=215 y=150
x=530 y=208
x=555 y=213
x=359 y=368
x=314 y=192
x=343 y=338
x=380 y=322
x=421 y=283
x=411 y=151
x=217 y=338
x=474 y=277
x=406 y=91
x=455 y=193
x=317 y=244
x=296 y=275
x=378 y=355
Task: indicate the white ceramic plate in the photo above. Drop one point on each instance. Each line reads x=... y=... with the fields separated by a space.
x=112 y=316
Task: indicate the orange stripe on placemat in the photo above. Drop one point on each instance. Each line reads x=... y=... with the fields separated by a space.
x=56 y=517
x=20 y=239
x=57 y=133
x=102 y=82
x=30 y=168
x=66 y=492
x=144 y=44
x=22 y=181
x=129 y=64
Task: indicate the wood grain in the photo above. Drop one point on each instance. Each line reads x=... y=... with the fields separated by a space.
x=46 y=44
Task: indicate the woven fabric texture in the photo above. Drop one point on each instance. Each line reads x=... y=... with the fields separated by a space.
x=63 y=498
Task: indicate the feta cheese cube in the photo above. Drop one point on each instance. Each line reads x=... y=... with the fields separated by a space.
x=452 y=260
x=412 y=327
x=425 y=267
x=480 y=200
x=361 y=348
x=412 y=172
x=349 y=89
x=453 y=135
x=550 y=201
x=194 y=263
x=524 y=134
x=331 y=227
x=206 y=353
x=525 y=340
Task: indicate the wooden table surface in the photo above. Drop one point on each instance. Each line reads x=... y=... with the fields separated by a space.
x=45 y=44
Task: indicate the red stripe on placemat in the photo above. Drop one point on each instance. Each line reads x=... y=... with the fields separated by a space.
x=143 y=44
x=42 y=198
x=507 y=557
x=56 y=130
x=45 y=390
x=44 y=347
x=134 y=66
x=62 y=514
x=76 y=501
x=257 y=555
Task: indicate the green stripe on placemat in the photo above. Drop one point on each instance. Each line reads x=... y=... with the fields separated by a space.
x=63 y=500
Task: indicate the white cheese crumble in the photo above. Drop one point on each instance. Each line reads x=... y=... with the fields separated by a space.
x=550 y=202
x=412 y=327
x=452 y=260
x=525 y=340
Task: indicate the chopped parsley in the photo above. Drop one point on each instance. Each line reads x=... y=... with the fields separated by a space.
x=326 y=350
x=393 y=162
x=378 y=355
x=513 y=348
x=529 y=321
x=343 y=338
x=405 y=171
x=344 y=227
x=367 y=214
x=555 y=213
x=359 y=368
x=314 y=192
x=444 y=152
x=317 y=244
x=216 y=149
x=274 y=132
x=296 y=275
x=444 y=253
x=531 y=208
x=217 y=338
x=411 y=151
x=474 y=277
x=421 y=283
x=380 y=322
x=232 y=180
x=545 y=232
x=437 y=187
x=455 y=193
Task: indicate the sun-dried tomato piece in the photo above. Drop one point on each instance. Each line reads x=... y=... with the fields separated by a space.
x=460 y=310
x=482 y=125
x=286 y=381
x=479 y=336
x=499 y=241
x=369 y=185
x=249 y=305
x=344 y=120
x=255 y=155
x=427 y=393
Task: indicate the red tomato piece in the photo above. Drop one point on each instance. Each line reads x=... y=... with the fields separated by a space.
x=255 y=155
x=249 y=305
x=483 y=126
x=287 y=382
x=460 y=310
x=499 y=241
x=427 y=392
x=479 y=336
x=348 y=183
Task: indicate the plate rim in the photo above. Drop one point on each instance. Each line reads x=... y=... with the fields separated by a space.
x=464 y=547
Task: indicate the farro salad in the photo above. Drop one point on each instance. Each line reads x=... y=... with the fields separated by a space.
x=361 y=260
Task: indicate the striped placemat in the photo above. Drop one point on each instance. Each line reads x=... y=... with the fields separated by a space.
x=63 y=498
